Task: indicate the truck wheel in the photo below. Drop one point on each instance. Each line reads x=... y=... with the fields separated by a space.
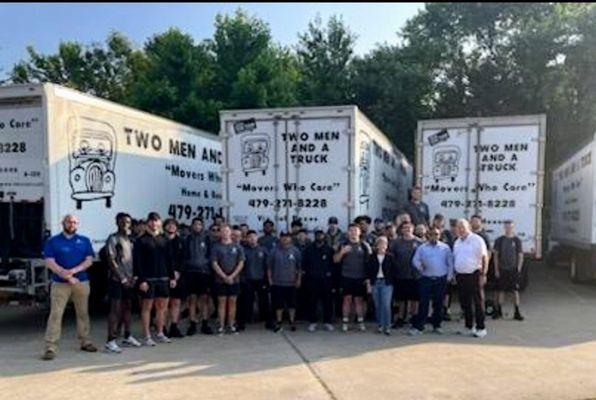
x=108 y=202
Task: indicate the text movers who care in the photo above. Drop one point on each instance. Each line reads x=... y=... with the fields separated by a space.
x=309 y=163
x=66 y=152
x=488 y=166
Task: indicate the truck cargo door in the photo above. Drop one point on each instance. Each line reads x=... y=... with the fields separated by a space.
x=316 y=156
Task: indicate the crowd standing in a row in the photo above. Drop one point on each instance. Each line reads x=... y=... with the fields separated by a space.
x=411 y=263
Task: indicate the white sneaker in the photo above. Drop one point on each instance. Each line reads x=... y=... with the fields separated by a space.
x=380 y=329
x=312 y=327
x=467 y=332
x=131 y=341
x=438 y=331
x=329 y=328
x=414 y=332
x=148 y=341
x=481 y=333
x=361 y=327
x=112 y=347
x=344 y=327
x=161 y=338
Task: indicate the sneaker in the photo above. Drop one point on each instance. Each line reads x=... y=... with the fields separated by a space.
x=112 y=347
x=293 y=327
x=312 y=327
x=232 y=330
x=48 y=355
x=361 y=327
x=175 y=332
x=438 y=331
x=131 y=341
x=344 y=327
x=161 y=338
x=498 y=313
x=206 y=328
x=148 y=341
x=481 y=333
x=446 y=315
x=329 y=328
x=192 y=329
x=89 y=348
x=414 y=332
x=518 y=316
x=399 y=323
x=277 y=328
x=467 y=332
x=380 y=329
x=220 y=331
x=387 y=331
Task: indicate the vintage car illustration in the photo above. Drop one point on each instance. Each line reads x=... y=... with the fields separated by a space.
x=446 y=163
x=92 y=160
x=255 y=153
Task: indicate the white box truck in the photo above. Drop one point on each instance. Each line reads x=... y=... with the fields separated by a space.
x=309 y=163
x=62 y=151
x=573 y=211
x=488 y=166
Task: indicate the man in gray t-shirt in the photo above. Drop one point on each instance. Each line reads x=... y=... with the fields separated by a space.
x=508 y=261
x=284 y=274
x=227 y=260
x=353 y=256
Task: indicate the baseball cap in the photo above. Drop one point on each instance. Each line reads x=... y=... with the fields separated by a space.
x=332 y=220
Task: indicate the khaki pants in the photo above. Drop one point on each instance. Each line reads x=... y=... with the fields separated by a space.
x=60 y=294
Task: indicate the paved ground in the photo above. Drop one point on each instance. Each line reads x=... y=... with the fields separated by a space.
x=551 y=355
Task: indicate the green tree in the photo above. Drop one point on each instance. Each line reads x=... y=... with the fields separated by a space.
x=102 y=70
x=325 y=54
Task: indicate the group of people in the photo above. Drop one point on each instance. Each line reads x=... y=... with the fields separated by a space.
x=407 y=267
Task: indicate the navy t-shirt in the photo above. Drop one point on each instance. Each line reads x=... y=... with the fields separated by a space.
x=68 y=253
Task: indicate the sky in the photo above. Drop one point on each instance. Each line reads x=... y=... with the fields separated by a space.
x=44 y=25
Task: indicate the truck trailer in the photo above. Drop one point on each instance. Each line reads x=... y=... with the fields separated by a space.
x=573 y=212
x=493 y=167
x=309 y=163
x=62 y=151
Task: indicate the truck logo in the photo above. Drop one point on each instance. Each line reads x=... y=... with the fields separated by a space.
x=364 y=176
x=441 y=136
x=245 y=125
x=255 y=153
x=92 y=160
x=446 y=163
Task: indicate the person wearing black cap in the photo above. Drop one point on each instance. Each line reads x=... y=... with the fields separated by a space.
x=254 y=280
x=334 y=234
x=296 y=226
x=268 y=240
x=153 y=265
x=317 y=264
x=284 y=274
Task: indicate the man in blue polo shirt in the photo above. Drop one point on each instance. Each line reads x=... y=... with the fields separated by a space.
x=68 y=256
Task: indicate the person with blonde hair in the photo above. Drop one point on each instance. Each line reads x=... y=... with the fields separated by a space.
x=380 y=272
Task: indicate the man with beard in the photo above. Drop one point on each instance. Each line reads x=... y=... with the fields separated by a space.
x=68 y=255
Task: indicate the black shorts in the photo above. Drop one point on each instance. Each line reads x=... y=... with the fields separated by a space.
x=179 y=292
x=157 y=289
x=353 y=287
x=118 y=292
x=406 y=290
x=508 y=281
x=283 y=297
x=198 y=283
x=225 y=290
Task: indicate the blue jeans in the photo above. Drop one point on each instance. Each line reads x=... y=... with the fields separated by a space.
x=382 y=293
x=430 y=289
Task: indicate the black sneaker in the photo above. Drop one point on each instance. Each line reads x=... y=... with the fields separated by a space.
x=498 y=313
x=175 y=332
x=192 y=329
x=240 y=328
x=293 y=328
x=399 y=323
x=206 y=328
x=277 y=328
x=518 y=316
